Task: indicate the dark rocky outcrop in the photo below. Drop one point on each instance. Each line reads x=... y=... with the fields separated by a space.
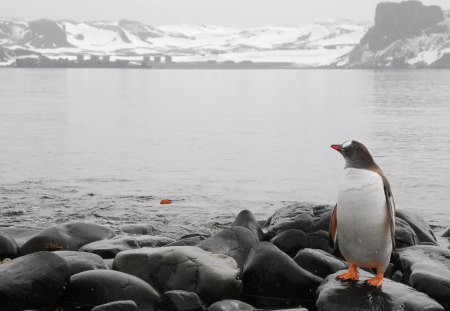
x=81 y=261
x=419 y=225
x=33 y=281
x=212 y=276
x=70 y=236
x=230 y=305
x=273 y=279
x=319 y=262
x=339 y=296
x=8 y=247
x=109 y=248
x=235 y=242
x=427 y=269
x=404 y=234
x=46 y=34
x=96 y=287
x=123 y=305
x=179 y=300
x=291 y=241
x=246 y=219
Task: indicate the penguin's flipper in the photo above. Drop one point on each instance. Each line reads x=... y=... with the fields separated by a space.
x=391 y=210
x=333 y=228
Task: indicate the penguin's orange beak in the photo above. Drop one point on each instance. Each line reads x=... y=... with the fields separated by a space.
x=337 y=147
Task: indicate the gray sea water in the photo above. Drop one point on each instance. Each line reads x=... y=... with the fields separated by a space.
x=108 y=145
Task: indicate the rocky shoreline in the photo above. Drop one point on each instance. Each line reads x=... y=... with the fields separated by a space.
x=284 y=262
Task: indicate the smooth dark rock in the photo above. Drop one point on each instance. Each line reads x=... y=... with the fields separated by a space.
x=96 y=287
x=33 y=281
x=235 y=242
x=291 y=241
x=319 y=240
x=230 y=305
x=109 y=262
x=420 y=227
x=212 y=276
x=70 y=236
x=8 y=247
x=123 y=305
x=319 y=262
x=303 y=216
x=137 y=229
x=246 y=219
x=350 y=296
x=269 y=273
x=109 y=248
x=189 y=241
x=20 y=234
x=179 y=300
x=427 y=269
x=446 y=233
x=404 y=234
x=81 y=261
x=153 y=241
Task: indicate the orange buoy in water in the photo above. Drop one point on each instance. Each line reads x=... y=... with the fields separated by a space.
x=166 y=201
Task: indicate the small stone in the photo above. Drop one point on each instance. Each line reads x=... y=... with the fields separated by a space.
x=319 y=262
x=291 y=241
x=123 y=305
x=179 y=300
x=247 y=220
x=230 y=305
x=109 y=248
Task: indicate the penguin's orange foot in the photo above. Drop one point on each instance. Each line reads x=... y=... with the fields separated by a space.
x=351 y=275
x=376 y=281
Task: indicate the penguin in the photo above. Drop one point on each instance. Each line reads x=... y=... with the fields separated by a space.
x=363 y=220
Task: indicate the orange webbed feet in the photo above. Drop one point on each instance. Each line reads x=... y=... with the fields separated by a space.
x=376 y=281
x=351 y=275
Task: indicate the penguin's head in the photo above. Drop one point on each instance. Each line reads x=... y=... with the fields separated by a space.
x=356 y=155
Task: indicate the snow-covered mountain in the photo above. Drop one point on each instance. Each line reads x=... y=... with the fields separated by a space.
x=317 y=44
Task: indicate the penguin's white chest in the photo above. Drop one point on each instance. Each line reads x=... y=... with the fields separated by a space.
x=362 y=219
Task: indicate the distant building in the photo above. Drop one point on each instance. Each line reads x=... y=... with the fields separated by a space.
x=80 y=59
x=145 y=61
x=157 y=59
x=168 y=59
x=106 y=59
x=94 y=58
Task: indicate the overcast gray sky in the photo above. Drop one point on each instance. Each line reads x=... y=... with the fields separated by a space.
x=232 y=13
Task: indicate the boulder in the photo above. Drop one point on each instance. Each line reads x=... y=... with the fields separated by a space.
x=96 y=287
x=20 y=234
x=427 y=269
x=123 y=305
x=137 y=229
x=303 y=216
x=70 y=236
x=153 y=240
x=291 y=241
x=319 y=240
x=189 y=241
x=446 y=233
x=337 y=295
x=235 y=242
x=179 y=300
x=319 y=262
x=273 y=279
x=420 y=227
x=8 y=247
x=81 y=261
x=230 y=305
x=404 y=234
x=247 y=220
x=212 y=276
x=33 y=281
x=109 y=248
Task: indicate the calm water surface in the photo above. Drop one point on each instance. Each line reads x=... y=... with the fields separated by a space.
x=108 y=145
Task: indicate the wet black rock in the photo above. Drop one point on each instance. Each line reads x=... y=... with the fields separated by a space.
x=96 y=287
x=70 y=236
x=420 y=226
x=45 y=34
x=189 y=241
x=8 y=247
x=33 y=281
x=303 y=216
x=153 y=241
x=123 y=305
x=319 y=262
x=179 y=300
x=109 y=248
x=273 y=279
x=81 y=261
x=334 y=295
x=230 y=305
x=427 y=269
x=212 y=276
x=404 y=234
x=20 y=234
x=235 y=242
x=137 y=229
x=319 y=240
x=291 y=241
x=246 y=219
x=446 y=233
